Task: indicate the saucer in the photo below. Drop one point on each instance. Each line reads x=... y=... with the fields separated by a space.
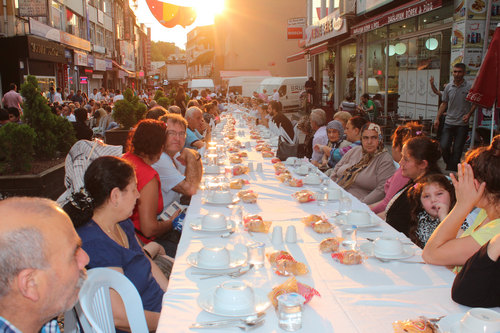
x=297 y=171
x=235 y=260
x=206 y=302
x=198 y=226
x=450 y=323
x=306 y=182
x=234 y=201
x=373 y=223
x=408 y=252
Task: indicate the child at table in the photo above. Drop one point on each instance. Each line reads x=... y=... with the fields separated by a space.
x=431 y=198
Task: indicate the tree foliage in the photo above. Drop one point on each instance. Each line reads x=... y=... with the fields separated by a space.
x=129 y=111
x=53 y=133
x=16 y=147
x=161 y=50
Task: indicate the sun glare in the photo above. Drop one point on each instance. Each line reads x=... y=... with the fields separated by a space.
x=207 y=10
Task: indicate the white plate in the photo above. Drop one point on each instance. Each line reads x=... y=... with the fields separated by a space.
x=408 y=252
x=373 y=222
x=301 y=173
x=197 y=225
x=450 y=323
x=475 y=11
x=312 y=183
x=206 y=302
x=235 y=260
x=234 y=201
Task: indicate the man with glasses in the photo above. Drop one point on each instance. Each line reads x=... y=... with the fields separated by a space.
x=180 y=168
x=458 y=113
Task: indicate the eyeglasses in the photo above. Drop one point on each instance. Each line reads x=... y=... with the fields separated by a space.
x=178 y=134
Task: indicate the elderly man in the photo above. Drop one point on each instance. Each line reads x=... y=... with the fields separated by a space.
x=318 y=125
x=196 y=126
x=180 y=168
x=41 y=265
x=12 y=99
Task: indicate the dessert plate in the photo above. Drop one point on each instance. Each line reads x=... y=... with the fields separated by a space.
x=408 y=252
x=198 y=226
x=206 y=302
x=235 y=260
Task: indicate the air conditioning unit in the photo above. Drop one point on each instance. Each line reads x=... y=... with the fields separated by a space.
x=347 y=7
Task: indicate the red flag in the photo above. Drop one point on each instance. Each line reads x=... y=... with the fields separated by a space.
x=486 y=88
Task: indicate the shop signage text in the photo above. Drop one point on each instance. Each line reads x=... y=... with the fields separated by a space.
x=328 y=27
x=45 y=50
x=33 y=8
x=398 y=15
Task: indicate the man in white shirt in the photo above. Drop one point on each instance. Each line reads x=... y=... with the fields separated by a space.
x=276 y=95
x=180 y=168
x=58 y=96
x=93 y=94
x=118 y=96
x=100 y=96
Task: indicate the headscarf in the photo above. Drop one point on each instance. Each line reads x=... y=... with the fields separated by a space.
x=349 y=176
x=336 y=125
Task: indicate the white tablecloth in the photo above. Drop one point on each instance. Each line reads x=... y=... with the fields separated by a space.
x=359 y=298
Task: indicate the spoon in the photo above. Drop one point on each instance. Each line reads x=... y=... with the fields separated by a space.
x=233 y=275
x=251 y=321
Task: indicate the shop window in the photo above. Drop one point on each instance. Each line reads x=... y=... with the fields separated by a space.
x=376 y=35
x=375 y=72
x=436 y=17
x=347 y=71
x=402 y=28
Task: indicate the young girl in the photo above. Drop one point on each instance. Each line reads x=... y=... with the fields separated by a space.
x=431 y=200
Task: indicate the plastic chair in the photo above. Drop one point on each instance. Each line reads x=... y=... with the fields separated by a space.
x=96 y=304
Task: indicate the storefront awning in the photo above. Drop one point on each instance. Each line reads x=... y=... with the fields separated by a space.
x=130 y=73
x=224 y=75
x=403 y=12
x=313 y=50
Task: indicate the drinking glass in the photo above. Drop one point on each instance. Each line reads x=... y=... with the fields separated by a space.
x=256 y=254
x=349 y=235
x=345 y=204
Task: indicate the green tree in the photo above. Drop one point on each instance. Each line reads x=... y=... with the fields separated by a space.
x=161 y=50
x=53 y=133
x=16 y=147
x=129 y=111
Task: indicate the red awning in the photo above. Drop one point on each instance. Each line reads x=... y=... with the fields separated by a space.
x=296 y=56
x=313 y=50
x=229 y=74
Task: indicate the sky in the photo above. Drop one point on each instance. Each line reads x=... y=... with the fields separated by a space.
x=206 y=11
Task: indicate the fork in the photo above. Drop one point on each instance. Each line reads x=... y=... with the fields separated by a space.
x=233 y=275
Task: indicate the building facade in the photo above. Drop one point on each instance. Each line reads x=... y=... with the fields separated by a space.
x=200 y=57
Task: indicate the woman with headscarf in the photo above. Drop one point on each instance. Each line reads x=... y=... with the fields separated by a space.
x=364 y=170
x=335 y=133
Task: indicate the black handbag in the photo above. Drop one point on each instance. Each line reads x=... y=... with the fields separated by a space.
x=286 y=150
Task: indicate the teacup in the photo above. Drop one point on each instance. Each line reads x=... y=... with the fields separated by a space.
x=312 y=179
x=212 y=169
x=221 y=197
x=213 y=221
x=234 y=296
x=291 y=160
x=387 y=246
x=334 y=193
x=358 y=218
x=214 y=256
x=480 y=320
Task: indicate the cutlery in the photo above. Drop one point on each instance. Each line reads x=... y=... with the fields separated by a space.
x=253 y=321
x=403 y=261
x=224 y=235
x=233 y=275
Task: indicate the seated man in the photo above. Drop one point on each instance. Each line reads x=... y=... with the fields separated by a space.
x=43 y=265
x=180 y=168
x=196 y=126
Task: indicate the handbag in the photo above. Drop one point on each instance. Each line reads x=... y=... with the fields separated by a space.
x=286 y=150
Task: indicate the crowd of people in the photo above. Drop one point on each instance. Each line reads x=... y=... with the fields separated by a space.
x=118 y=213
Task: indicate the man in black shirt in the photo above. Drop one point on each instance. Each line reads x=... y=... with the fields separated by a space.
x=280 y=119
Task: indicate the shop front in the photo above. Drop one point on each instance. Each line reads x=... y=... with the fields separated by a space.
x=397 y=54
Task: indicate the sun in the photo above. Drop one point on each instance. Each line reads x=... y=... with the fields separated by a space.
x=207 y=10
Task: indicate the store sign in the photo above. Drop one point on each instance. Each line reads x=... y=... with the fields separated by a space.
x=39 y=29
x=44 y=50
x=33 y=8
x=109 y=64
x=100 y=64
x=81 y=58
x=400 y=14
x=328 y=27
x=98 y=48
x=127 y=53
x=97 y=76
x=295 y=33
x=90 y=61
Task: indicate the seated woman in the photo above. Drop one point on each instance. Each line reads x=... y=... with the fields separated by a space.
x=397 y=181
x=101 y=217
x=364 y=170
x=352 y=133
x=335 y=132
x=145 y=145
x=477 y=283
x=478 y=185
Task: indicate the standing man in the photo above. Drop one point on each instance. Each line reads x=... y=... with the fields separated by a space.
x=12 y=99
x=180 y=168
x=42 y=265
x=310 y=86
x=458 y=113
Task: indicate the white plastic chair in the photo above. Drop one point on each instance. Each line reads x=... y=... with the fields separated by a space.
x=96 y=304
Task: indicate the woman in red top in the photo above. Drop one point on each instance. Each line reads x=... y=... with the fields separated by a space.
x=145 y=147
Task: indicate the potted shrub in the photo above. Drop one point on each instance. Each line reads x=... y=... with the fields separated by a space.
x=127 y=112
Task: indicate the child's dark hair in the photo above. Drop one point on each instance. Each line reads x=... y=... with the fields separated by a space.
x=102 y=176
x=415 y=193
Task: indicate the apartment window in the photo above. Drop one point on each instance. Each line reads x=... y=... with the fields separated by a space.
x=92 y=32
x=107 y=7
x=73 y=23
x=109 y=40
x=56 y=18
x=99 y=36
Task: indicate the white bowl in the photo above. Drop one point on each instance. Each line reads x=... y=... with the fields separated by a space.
x=213 y=221
x=222 y=197
x=291 y=160
x=334 y=193
x=480 y=320
x=358 y=218
x=212 y=169
x=387 y=246
x=213 y=256
x=234 y=296
x=312 y=179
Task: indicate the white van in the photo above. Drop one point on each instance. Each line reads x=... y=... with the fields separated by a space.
x=200 y=84
x=289 y=89
x=244 y=85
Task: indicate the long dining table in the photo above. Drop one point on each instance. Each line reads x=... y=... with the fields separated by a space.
x=367 y=297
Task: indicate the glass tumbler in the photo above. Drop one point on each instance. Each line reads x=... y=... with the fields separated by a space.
x=290 y=308
x=256 y=254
